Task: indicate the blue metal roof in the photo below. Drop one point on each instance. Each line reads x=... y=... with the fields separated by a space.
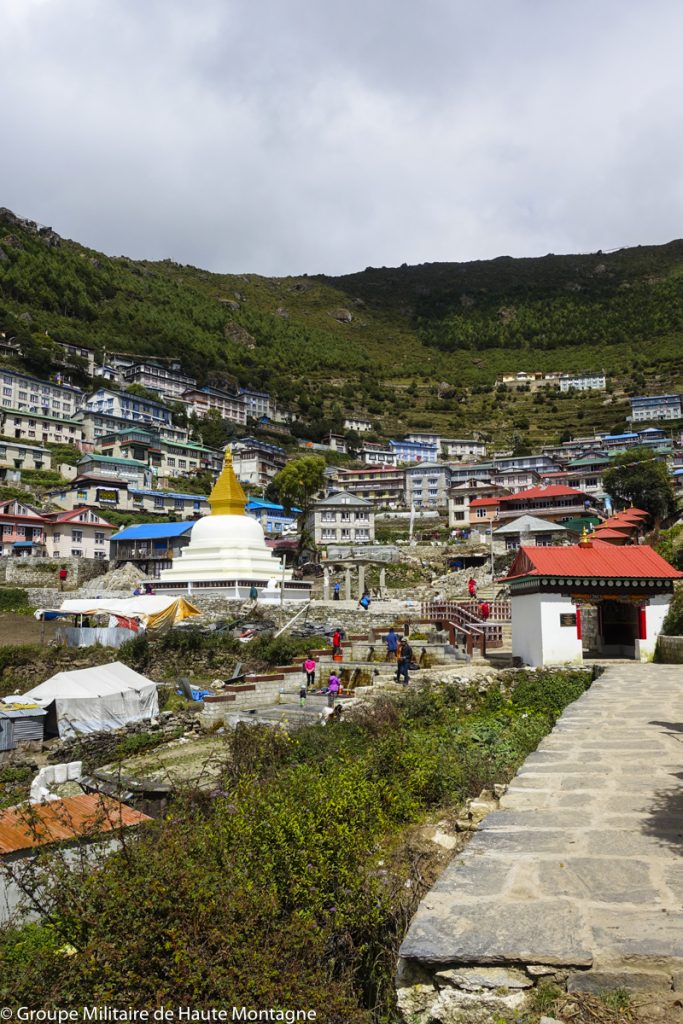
x=616 y=437
x=259 y=503
x=153 y=531
x=23 y=544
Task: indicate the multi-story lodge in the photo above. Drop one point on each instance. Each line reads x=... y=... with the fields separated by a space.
x=427 y=485
x=554 y=502
x=358 y=424
x=125 y=406
x=34 y=426
x=257 y=403
x=97 y=425
x=585 y=381
x=168 y=382
x=256 y=462
x=166 y=458
x=341 y=518
x=15 y=456
x=656 y=407
x=229 y=404
x=150 y=547
x=415 y=451
x=377 y=455
x=41 y=396
x=382 y=485
x=104 y=492
x=81 y=533
x=463 y=448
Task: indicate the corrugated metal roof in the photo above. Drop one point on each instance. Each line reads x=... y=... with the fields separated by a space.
x=600 y=559
x=154 y=531
x=28 y=826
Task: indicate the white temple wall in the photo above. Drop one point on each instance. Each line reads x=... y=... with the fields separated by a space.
x=655 y=613
x=537 y=636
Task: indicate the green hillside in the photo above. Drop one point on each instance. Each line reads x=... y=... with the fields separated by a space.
x=413 y=347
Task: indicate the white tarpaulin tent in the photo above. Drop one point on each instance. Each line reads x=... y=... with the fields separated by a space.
x=89 y=699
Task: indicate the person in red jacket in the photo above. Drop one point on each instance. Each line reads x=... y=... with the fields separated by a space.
x=472 y=586
x=484 y=610
x=63 y=573
x=336 y=642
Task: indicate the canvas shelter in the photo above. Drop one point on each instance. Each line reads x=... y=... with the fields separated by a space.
x=90 y=699
x=154 y=612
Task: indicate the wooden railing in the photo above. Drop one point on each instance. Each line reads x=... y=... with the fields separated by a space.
x=465 y=625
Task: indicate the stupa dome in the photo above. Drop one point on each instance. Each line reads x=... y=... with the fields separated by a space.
x=228 y=532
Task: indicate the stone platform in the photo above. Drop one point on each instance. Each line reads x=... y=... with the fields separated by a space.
x=580 y=871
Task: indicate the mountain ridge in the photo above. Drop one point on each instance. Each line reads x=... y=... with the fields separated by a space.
x=388 y=341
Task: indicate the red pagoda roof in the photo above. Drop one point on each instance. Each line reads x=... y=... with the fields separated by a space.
x=632 y=561
x=552 y=491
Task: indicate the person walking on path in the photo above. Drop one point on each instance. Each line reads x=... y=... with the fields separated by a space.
x=472 y=586
x=63 y=573
x=332 y=689
x=336 y=642
x=485 y=610
x=309 y=669
x=336 y=589
x=302 y=695
x=253 y=594
x=405 y=658
x=365 y=601
x=391 y=640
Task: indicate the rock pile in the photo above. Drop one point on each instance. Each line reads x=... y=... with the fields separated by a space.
x=125 y=579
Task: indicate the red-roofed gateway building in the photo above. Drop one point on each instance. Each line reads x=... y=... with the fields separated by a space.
x=592 y=599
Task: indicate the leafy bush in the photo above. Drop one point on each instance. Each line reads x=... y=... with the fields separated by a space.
x=673 y=623
x=268 y=891
x=13 y=599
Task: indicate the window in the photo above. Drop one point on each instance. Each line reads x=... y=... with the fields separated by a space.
x=99 y=538
x=82 y=495
x=481 y=513
x=99 y=555
x=179 y=503
x=21 y=531
x=77 y=536
x=76 y=553
x=158 y=502
x=56 y=536
x=7 y=529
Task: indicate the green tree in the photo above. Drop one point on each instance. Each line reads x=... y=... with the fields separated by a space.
x=299 y=481
x=639 y=478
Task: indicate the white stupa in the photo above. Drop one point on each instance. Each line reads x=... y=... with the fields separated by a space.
x=228 y=551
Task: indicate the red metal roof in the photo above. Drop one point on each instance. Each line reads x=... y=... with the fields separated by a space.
x=31 y=825
x=600 y=559
x=616 y=524
x=602 y=532
x=553 y=491
x=485 y=501
x=630 y=515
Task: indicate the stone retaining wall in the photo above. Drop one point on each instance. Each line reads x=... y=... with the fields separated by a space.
x=670 y=650
x=42 y=572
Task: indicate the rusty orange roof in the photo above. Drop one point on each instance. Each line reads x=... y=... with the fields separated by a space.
x=31 y=825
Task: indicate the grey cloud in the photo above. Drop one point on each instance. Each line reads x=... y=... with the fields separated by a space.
x=283 y=136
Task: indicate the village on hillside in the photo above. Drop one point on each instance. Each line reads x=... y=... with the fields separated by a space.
x=160 y=597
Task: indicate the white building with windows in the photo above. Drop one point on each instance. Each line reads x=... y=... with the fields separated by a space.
x=257 y=402
x=32 y=395
x=463 y=448
x=23 y=456
x=82 y=533
x=378 y=455
x=357 y=423
x=656 y=407
x=168 y=382
x=586 y=381
x=229 y=405
x=34 y=426
x=342 y=518
x=427 y=485
x=124 y=406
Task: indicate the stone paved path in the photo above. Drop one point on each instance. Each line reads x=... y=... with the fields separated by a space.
x=583 y=864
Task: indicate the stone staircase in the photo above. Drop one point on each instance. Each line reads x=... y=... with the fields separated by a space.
x=364 y=670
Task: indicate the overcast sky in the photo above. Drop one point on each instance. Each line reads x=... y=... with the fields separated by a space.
x=291 y=136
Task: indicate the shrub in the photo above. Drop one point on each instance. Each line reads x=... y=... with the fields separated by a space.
x=13 y=599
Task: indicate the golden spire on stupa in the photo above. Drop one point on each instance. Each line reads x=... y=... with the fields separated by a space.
x=227 y=497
